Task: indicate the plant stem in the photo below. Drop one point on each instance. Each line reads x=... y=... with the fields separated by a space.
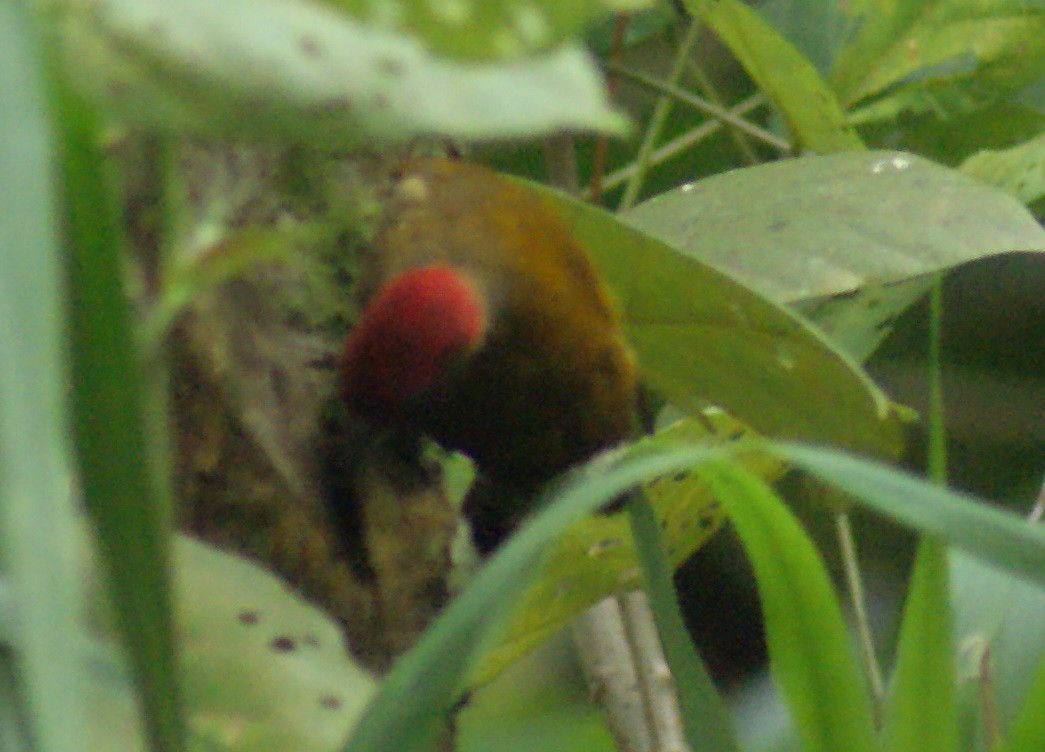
x=858 y=602
x=656 y=122
x=681 y=143
x=698 y=103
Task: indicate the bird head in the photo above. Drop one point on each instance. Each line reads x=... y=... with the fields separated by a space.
x=414 y=332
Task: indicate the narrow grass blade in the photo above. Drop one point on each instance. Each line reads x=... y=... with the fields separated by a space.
x=1028 y=731
x=425 y=683
x=122 y=485
x=809 y=648
x=921 y=707
x=707 y=721
x=1001 y=538
x=43 y=693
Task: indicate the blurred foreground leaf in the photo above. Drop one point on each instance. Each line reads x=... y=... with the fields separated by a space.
x=42 y=701
x=305 y=73
x=998 y=537
x=263 y=670
x=809 y=646
x=484 y=29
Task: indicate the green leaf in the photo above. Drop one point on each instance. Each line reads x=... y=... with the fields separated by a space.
x=817 y=29
x=483 y=29
x=814 y=117
x=1019 y=171
x=924 y=666
x=999 y=625
x=120 y=470
x=849 y=239
x=595 y=557
x=1028 y=732
x=962 y=53
x=425 y=682
x=998 y=537
x=44 y=687
x=263 y=669
x=302 y=72
x=703 y=337
x=952 y=140
x=809 y=648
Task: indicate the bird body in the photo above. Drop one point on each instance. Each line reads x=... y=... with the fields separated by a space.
x=485 y=326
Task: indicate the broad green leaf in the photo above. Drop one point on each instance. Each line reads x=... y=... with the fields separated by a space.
x=999 y=625
x=924 y=665
x=1019 y=171
x=44 y=687
x=426 y=681
x=595 y=557
x=810 y=652
x=952 y=140
x=998 y=537
x=120 y=470
x=703 y=337
x=298 y=71
x=849 y=239
x=973 y=52
x=484 y=29
x=263 y=670
x=814 y=117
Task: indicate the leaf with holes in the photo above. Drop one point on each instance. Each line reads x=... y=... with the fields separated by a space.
x=484 y=29
x=596 y=557
x=302 y=72
x=263 y=670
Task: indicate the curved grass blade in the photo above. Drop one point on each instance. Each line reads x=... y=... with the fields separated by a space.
x=809 y=648
x=1001 y=538
x=44 y=687
x=1028 y=731
x=925 y=665
x=706 y=718
x=121 y=484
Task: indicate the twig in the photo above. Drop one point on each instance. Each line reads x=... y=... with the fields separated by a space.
x=708 y=89
x=654 y=673
x=613 y=680
x=858 y=603
x=681 y=143
x=656 y=122
x=617 y=643
x=698 y=103
x=560 y=163
x=988 y=705
x=602 y=144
